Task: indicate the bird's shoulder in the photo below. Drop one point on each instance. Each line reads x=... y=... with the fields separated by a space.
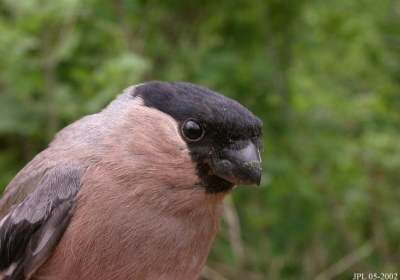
x=36 y=209
x=25 y=181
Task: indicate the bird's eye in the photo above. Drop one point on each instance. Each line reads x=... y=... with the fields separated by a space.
x=192 y=130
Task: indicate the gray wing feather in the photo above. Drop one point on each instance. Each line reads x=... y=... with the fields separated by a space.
x=31 y=229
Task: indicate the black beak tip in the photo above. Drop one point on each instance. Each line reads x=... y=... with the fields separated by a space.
x=259 y=176
x=259 y=180
x=252 y=173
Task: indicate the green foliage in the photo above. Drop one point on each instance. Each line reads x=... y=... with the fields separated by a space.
x=323 y=75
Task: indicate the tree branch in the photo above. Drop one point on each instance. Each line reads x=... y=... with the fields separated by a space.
x=346 y=262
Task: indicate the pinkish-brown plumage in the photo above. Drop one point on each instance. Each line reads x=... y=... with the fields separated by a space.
x=156 y=226
x=133 y=192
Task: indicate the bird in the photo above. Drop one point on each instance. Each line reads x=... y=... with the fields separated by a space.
x=134 y=191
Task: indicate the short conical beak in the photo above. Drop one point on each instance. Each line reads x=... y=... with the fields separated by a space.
x=239 y=166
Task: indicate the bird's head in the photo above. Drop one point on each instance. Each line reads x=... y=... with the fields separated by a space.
x=223 y=137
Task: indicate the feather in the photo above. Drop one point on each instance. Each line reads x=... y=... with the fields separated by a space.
x=31 y=229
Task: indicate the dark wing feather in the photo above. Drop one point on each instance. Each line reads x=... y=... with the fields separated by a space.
x=31 y=229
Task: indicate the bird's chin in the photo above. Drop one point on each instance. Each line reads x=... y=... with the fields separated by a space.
x=217 y=184
x=213 y=183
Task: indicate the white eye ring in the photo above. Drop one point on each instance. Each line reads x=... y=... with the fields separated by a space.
x=192 y=130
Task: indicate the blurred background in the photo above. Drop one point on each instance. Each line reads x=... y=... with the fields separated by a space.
x=323 y=75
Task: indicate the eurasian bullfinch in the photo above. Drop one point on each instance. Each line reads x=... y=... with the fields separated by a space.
x=132 y=192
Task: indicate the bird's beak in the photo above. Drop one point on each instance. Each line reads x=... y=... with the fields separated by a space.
x=239 y=166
